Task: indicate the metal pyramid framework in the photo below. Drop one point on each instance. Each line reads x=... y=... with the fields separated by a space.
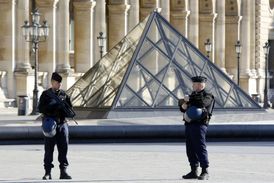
x=147 y=72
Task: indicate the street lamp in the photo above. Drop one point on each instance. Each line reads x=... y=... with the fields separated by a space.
x=101 y=41
x=238 y=49
x=266 y=50
x=35 y=33
x=208 y=47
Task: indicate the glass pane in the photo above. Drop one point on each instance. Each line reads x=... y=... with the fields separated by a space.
x=162 y=98
x=245 y=101
x=171 y=35
x=170 y=80
x=179 y=93
x=162 y=47
x=184 y=63
x=136 y=103
x=136 y=79
x=168 y=101
x=126 y=95
x=147 y=96
x=154 y=62
x=146 y=47
x=196 y=58
x=149 y=92
x=153 y=33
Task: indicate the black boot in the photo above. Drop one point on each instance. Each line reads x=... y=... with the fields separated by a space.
x=64 y=174
x=204 y=175
x=47 y=175
x=191 y=175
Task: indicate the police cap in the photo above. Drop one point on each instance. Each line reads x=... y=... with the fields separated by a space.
x=199 y=79
x=56 y=77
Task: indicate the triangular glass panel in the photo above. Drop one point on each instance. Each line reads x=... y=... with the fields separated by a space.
x=153 y=32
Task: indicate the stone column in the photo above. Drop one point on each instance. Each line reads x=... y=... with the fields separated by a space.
x=117 y=21
x=133 y=14
x=179 y=15
x=146 y=7
x=47 y=49
x=165 y=8
x=23 y=72
x=83 y=35
x=206 y=31
x=263 y=20
x=252 y=38
x=7 y=45
x=193 y=31
x=100 y=22
x=207 y=18
x=62 y=39
x=231 y=37
x=232 y=34
x=247 y=78
x=22 y=46
x=220 y=35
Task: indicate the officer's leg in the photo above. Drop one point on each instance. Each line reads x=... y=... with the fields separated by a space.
x=192 y=157
x=48 y=156
x=202 y=151
x=62 y=145
x=201 y=147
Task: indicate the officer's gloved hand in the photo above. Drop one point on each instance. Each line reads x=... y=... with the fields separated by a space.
x=204 y=114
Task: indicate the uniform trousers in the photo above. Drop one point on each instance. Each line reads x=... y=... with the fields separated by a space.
x=196 y=144
x=61 y=139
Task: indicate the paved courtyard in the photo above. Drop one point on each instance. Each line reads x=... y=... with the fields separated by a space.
x=230 y=162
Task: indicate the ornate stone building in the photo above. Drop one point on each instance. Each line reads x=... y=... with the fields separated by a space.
x=72 y=47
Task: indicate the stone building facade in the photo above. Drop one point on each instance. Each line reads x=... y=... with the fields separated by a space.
x=72 y=48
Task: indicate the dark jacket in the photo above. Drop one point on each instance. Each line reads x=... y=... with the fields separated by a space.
x=49 y=106
x=202 y=100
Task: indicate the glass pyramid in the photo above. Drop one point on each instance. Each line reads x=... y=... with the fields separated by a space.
x=150 y=69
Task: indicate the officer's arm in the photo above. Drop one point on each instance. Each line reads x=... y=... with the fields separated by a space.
x=44 y=103
x=207 y=101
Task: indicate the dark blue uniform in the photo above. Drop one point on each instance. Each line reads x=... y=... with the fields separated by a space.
x=48 y=106
x=195 y=130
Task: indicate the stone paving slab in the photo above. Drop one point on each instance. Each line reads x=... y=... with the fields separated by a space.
x=245 y=162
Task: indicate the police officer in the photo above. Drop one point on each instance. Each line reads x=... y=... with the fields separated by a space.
x=49 y=107
x=195 y=130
